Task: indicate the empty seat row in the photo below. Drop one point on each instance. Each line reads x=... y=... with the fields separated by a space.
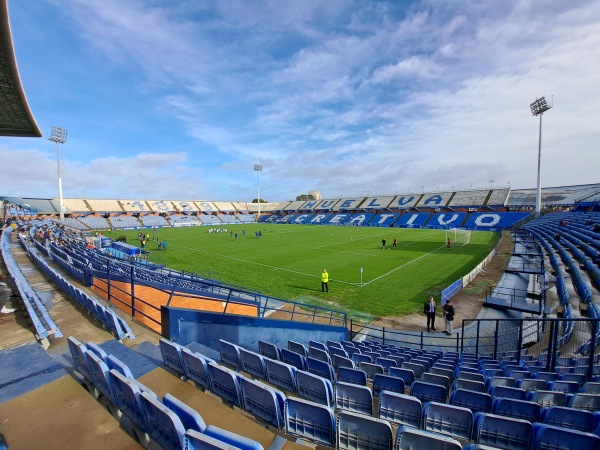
x=443 y=427
x=168 y=422
x=38 y=315
x=111 y=321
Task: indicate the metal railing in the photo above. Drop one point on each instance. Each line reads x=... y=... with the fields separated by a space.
x=557 y=345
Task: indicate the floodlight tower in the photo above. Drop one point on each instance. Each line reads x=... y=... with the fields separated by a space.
x=59 y=135
x=257 y=169
x=538 y=108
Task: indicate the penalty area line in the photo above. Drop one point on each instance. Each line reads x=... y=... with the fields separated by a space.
x=402 y=266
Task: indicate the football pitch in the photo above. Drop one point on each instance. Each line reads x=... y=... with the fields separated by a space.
x=287 y=262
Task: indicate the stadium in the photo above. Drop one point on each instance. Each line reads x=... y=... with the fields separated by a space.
x=187 y=323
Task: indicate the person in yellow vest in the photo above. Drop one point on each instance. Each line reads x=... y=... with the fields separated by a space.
x=325 y=281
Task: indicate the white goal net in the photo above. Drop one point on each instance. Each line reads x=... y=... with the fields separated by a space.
x=458 y=237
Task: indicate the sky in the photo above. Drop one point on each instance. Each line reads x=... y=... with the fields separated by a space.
x=179 y=99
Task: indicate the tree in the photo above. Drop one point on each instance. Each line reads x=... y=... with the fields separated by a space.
x=305 y=197
x=256 y=200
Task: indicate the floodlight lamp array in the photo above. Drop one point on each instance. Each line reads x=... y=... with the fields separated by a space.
x=58 y=135
x=258 y=167
x=540 y=106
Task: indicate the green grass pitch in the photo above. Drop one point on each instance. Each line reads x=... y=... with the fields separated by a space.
x=288 y=260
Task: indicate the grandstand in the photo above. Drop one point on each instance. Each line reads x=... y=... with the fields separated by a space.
x=321 y=372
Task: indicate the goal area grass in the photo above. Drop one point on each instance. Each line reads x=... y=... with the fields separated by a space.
x=287 y=262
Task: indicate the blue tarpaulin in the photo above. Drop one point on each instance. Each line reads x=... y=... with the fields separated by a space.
x=125 y=248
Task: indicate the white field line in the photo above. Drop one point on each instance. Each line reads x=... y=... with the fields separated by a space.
x=403 y=265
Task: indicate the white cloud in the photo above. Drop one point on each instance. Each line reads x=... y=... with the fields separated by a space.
x=337 y=96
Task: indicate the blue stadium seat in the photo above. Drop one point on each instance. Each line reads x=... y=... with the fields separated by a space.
x=321 y=368
x=230 y=355
x=576 y=377
x=399 y=408
x=354 y=376
x=80 y=357
x=196 y=368
x=309 y=420
x=195 y=440
x=501 y=381
x=334 y=351
x=263 y=401
x=319 y=345
x=353 y=397
x=406 y=374
x=314 y=388
x=97 y=350
x=171 y=354
x=530 y=384
x=591 y=387
x=427 y=392
x=359 y=432
x=589 y=402
x=128 y=400
x=440 y=370
x=547 y=398
x=190 y=418
x=282 y=375
x=233 y=439
x=548 y=437
x=502 y=432
x=386 y=363
x=112 y=362
x=454 y=421
x=518 y=409
x=548 y=376
x=418 y=369
x=100 y=378
x=471 y=376
x=409 y=438
x=520 y=374
x=297 y=347
x=475 y=401
x=433 y=378
x=253 y=363
x=340 y=361
x=320 y=354
x=269 y=350
x=225 y=383
x=387 y=383
x=293 y=358
x=577 y=419
x=164 y=426
x=476 y=386
x=568 y=387
x=358 y=358
x=507 y=392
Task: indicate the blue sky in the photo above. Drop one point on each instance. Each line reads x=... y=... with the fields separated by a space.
x=178 y=99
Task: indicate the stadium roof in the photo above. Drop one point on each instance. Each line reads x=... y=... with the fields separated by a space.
x=16 y=118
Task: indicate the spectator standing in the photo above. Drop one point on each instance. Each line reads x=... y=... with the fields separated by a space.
x=449 y=312
x=429 y=310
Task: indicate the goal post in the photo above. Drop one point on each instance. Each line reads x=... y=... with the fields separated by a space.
x=458 y=236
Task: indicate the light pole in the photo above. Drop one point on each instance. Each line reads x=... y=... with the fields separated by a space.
x=59 y=135
x=257 y=169
x=538 y=108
